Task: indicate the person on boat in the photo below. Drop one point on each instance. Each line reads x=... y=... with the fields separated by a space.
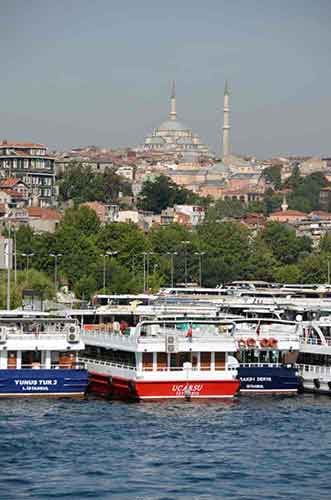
x=189 y=332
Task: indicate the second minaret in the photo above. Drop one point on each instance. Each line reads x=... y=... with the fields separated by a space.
x=226 y=122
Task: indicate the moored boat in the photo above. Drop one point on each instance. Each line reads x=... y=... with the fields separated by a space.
x=267 y=353
x=314 y=361
x=39 y=356
x=161 y=360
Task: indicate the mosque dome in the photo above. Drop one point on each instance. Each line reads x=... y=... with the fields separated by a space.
x=156 y=140
x=174 y=125
x=185 y=141
x=174 y=136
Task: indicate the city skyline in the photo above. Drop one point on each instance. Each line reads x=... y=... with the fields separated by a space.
x=79 y=74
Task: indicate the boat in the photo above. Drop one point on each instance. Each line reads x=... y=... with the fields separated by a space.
x=314 y=362
x=267 y=353
x=161 y=360
x=39 y=356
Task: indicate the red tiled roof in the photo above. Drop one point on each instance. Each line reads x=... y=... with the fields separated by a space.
x=289 y=213
x=44 y=213
x=12 y=192
x=6 y=144
x=9 y=182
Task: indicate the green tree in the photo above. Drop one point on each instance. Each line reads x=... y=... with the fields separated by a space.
x=82 y=184
x=284 y=243
x=158 y=194
x=289 y=273
x=226 y=208
x=273 y=175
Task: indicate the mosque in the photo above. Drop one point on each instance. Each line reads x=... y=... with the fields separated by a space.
x=172 y=136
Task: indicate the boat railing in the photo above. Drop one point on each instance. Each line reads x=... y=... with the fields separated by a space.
x=102 y=362
x=315 y=369
x=133 y=338
x=36 y=335
x=316 y=340
x=53 y=366
x=192 y=369
x=264 y=365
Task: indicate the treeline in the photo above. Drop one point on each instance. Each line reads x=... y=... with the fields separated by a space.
x=81 y=184
x=227 y=251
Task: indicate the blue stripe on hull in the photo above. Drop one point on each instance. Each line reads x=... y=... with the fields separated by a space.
x=43 y=382
x=268 y=379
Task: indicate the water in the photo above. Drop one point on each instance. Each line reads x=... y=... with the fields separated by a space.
x=253 y=448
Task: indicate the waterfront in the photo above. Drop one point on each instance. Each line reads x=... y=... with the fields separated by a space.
x=251 y=448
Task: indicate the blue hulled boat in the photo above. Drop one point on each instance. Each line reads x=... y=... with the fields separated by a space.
x=39 y=356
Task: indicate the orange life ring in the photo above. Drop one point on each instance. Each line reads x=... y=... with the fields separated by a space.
x=273 y=342
x=264 y=343
x=251 y=342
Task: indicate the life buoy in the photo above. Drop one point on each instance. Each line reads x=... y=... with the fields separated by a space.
x=272 y=342
x=264 y=343
x=242 y=344
x=251 y=342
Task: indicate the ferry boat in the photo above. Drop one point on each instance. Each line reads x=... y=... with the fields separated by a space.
x=314 y=361
x=39 y=356
x=266 y=355
x=161 y=360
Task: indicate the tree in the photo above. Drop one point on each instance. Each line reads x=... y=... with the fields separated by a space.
x=226 y=208
x=82 y=219
x=284 y=243
x=82 y=184
x=162 y=192
x=273 y=175
x=290 y=273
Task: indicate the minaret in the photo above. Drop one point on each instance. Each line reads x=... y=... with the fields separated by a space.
x=173 y=113
x=226 y=122
x=284 y=204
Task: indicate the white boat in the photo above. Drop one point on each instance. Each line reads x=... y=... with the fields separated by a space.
x=315 y=356
x=161 y=360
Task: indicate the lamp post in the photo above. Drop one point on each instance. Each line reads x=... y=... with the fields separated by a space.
x=144 y=261
x=185 y=243
x=55 y=257
x=200 y=254
x=172 y=255
x=147 y=270
x=27 y=255
x=104 y=255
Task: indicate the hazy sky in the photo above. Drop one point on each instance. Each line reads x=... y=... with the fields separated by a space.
x=79 y=72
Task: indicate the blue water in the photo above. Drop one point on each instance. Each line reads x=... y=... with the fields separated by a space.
x=253 y=448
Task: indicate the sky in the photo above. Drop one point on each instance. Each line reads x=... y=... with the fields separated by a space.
x=82 y=72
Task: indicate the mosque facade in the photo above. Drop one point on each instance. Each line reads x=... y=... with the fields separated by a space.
x=172 y=136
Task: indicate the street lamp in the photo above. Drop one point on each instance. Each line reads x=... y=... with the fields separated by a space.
x=55 y=257
x=185 y=243
x=27 y=255
x=104 y=255
x=172 y=255
x=147 y=270
x=200 y=254
x=146 y=256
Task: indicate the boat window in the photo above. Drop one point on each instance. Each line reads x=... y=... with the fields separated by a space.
x=147 y=360
x=162 y=360
x=205 y=359
x=219 y=360
x=31 y=359
x=12 y=359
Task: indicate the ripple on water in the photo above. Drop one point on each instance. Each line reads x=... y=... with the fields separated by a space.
x=253 y=448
